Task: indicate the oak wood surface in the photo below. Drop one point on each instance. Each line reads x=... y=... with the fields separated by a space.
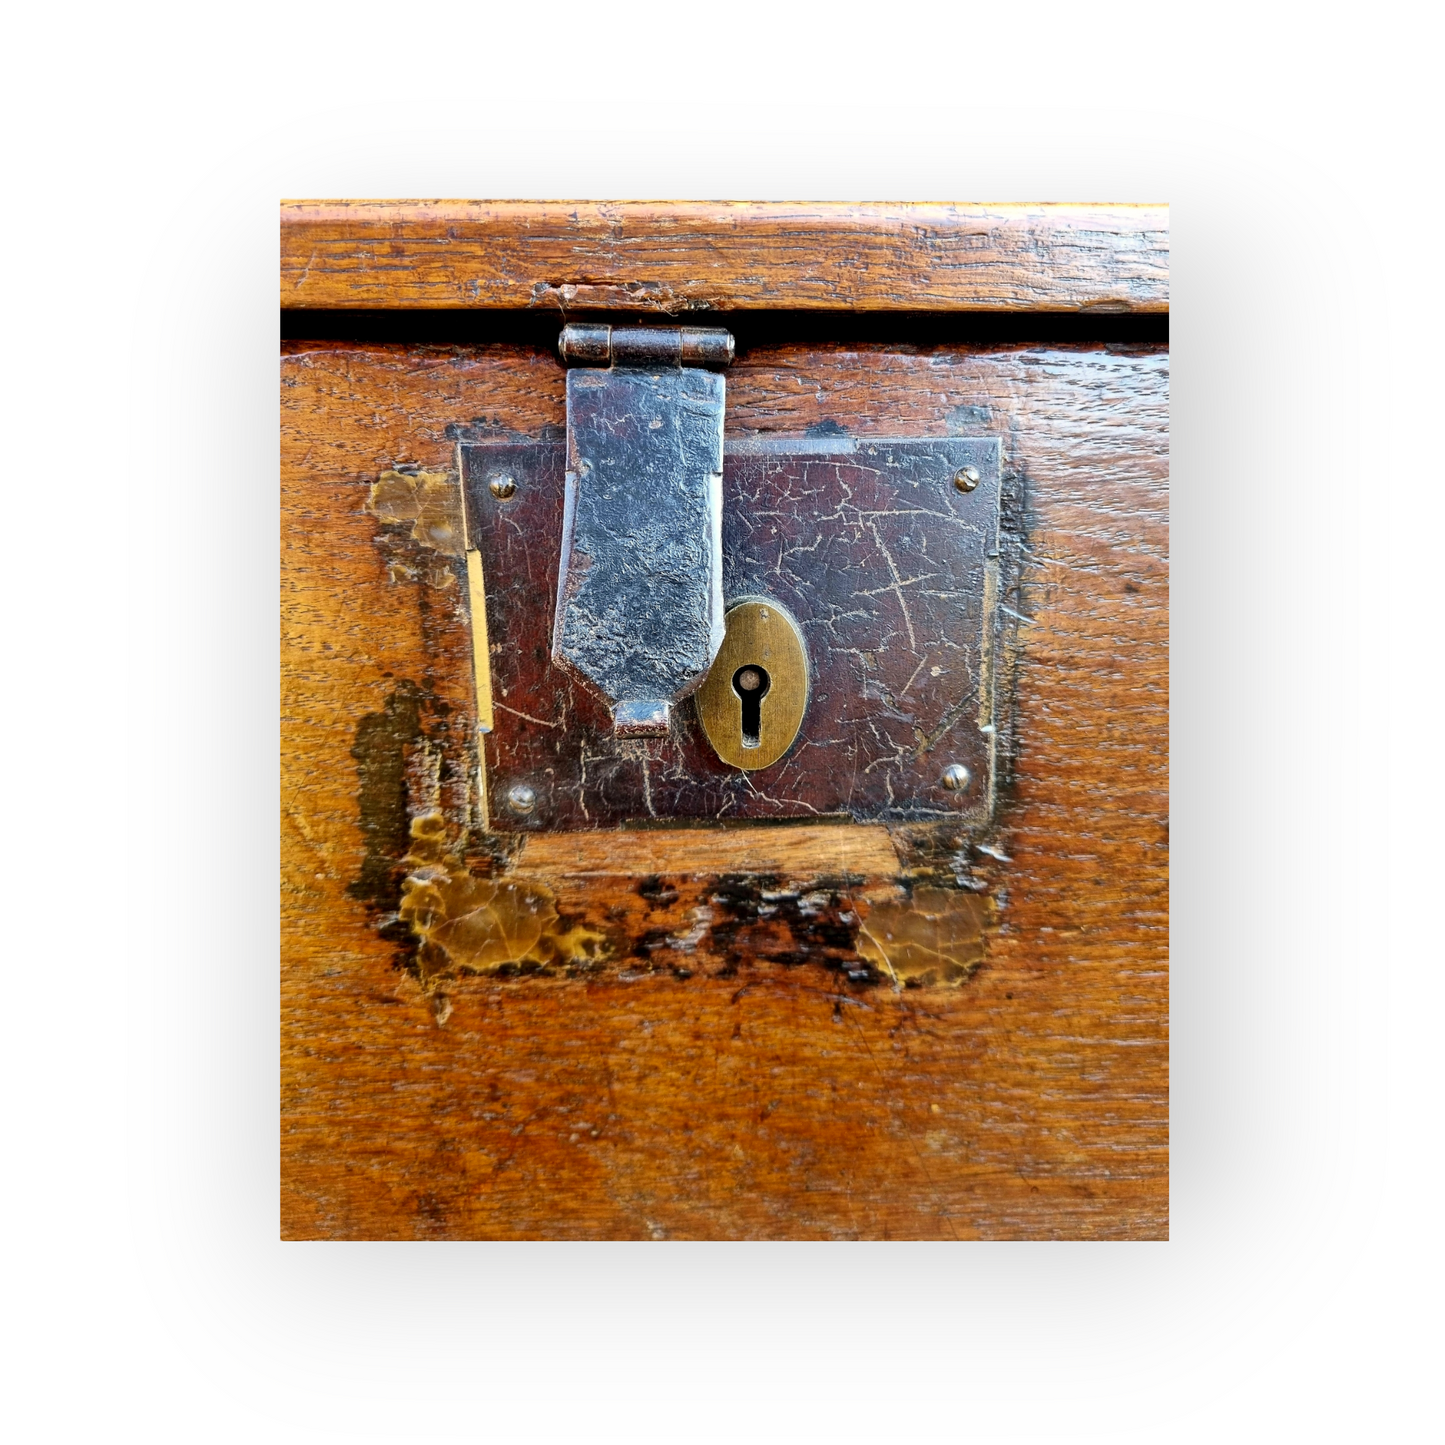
x=719 y=1073
x=679 y=256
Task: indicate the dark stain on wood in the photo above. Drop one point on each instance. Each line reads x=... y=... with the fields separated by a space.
x=658 y=892
x=384 y=742
x=764 y=919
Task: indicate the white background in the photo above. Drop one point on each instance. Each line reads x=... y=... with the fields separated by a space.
x=146 y=1295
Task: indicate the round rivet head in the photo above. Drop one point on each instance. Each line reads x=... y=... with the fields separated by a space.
x=521 y=799
x=966 y=478
x=502 y=488
x=955 y=777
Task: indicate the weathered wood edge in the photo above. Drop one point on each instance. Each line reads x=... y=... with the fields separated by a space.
x=680 y=256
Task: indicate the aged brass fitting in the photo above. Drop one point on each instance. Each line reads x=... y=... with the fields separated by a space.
x=752 y=702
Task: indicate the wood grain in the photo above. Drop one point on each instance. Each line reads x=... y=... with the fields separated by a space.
x=680 y=256
x=739 y=1083
x=793 y=852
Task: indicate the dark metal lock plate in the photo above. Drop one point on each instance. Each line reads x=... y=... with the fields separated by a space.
x=890 y=569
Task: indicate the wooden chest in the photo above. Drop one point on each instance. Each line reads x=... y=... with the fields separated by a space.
x=715 y=1019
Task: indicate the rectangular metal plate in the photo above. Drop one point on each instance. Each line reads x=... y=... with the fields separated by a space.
x=888 y=567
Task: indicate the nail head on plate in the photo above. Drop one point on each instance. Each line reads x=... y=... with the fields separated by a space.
x=955 y=777
x=966 y=478
x=521 y=798
x=502 y=487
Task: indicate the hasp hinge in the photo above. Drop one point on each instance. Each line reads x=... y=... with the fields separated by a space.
x=640 y=587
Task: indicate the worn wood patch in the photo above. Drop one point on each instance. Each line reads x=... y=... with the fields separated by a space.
x=723 y=1076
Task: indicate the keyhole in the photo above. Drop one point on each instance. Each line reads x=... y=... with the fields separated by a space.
x=751 y=683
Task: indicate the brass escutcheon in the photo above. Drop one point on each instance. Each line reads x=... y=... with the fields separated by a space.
x=752 y=702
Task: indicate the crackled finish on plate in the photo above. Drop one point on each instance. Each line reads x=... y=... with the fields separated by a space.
x=888 y=569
